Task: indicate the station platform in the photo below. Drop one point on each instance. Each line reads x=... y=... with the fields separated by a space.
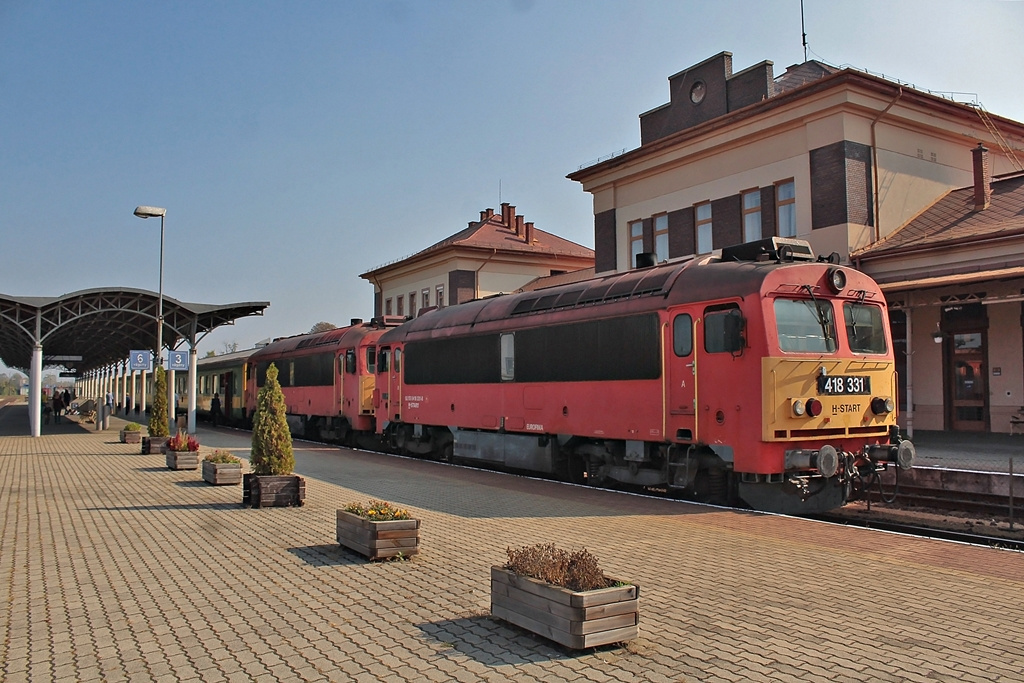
x=115 y=568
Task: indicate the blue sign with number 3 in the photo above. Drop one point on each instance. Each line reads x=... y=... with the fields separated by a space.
x=178 y=360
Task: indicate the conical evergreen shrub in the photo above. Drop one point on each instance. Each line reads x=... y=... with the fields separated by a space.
x=158 y=414
x=271 y=438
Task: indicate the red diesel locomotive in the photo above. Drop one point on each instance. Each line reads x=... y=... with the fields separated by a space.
x=327 y=379
x=763 y=375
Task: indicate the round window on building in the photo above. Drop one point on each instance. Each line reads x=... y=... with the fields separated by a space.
x=697 y=92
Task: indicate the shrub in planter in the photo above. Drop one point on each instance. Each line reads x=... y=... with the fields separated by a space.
x=564 y=596
x=182 y=452
x=378 y=530
x=220 y=467
x=158 y=431
x=131 y=433
x=272 y=459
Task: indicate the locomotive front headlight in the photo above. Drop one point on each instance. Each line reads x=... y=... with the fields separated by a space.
x=814 y=407
x=836 y=280
x=798 y=408
x=882 y=406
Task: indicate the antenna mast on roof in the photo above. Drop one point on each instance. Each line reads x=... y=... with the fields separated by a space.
x=499 y=191
x=803 y=31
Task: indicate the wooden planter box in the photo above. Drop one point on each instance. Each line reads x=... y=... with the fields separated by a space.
x=182 y=460
x=269 y=490
x=131 y=437
x=574 y=619
x=151 y=445
x=222 y=473
x=378 y=540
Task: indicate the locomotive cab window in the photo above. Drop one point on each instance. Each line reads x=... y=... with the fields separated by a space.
x=397 y=360
x=864 y=330
x=371 y=360
x=723 y=329
x=382 y=360
x=805 y=325
x=350 y=361
x=682 y=335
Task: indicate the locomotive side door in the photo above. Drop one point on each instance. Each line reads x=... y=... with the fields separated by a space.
x=719 y=352
x=681 y=393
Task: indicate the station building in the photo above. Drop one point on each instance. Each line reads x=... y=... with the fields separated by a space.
x=499 y=252
x=883 y=173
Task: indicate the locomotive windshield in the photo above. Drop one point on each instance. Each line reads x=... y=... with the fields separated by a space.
x=864 y=328
x=805 y=325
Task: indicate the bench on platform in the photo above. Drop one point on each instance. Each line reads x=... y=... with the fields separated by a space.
x=1017 y=422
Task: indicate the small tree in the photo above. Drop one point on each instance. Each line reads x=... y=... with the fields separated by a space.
x=158 y=415
x=271 y=438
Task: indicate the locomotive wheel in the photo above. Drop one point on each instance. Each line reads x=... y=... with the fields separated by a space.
x=577 y=469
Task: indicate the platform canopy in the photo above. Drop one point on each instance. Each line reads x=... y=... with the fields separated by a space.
x=103 y=325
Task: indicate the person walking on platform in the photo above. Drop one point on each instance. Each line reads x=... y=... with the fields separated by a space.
x=58 y=406
x=215 y=409
x=66 y=398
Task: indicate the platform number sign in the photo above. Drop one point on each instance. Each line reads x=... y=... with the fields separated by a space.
x=141 y=360
x=178 y=360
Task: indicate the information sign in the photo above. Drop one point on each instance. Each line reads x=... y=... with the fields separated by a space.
x=178 y=360
x=140 y=360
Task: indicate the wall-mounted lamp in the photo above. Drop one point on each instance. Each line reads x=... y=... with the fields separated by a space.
x=937 y=334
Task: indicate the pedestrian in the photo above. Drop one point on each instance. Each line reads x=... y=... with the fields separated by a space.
x=66 y=397
x=58 y=406
x=215 y=409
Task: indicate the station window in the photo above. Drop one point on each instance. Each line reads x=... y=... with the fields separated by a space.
x=661 y=237
x=785 y=200
x=387 y=306
x=412 y=304
x=439 y=296
x=752 y=215
x=636 y=241
x=401 y=305
x=703 y=224
x=426 y=297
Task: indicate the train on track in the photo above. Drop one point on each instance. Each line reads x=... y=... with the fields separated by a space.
x=759 y=375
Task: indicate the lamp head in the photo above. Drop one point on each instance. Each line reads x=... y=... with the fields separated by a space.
x=150 y=211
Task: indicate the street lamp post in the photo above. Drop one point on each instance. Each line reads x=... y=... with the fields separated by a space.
x=153 y=212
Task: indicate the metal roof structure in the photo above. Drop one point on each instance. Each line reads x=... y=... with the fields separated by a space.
x=104 y=325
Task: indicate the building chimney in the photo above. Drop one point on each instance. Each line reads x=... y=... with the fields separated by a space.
x=483 y=216
x=519 y=225
x=982 y=178
x=511 y=222
x=504 y=213
x=529 y=233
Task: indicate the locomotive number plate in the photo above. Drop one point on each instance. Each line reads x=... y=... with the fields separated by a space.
x=844 y=385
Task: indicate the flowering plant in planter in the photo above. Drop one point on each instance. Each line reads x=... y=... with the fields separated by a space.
x=377 y=511
x=133 y=427
x=222 y=457
x=577 y=570
x=182 y=442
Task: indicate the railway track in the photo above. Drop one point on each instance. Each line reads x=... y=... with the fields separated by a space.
x=921 y=526
x=946 y=500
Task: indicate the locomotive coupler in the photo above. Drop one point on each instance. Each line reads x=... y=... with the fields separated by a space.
x=898 y=451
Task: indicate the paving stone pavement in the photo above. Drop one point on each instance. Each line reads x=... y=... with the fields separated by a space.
x=117 y=569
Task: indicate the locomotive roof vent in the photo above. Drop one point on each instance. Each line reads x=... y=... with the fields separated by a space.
x=770 y=249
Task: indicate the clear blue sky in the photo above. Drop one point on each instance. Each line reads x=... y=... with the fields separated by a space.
x=298 y=144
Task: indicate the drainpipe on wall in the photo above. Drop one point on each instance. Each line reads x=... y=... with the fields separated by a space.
x=874 y=160
x=909 y=410
x=476 y=273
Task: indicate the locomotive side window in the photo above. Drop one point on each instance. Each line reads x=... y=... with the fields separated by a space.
x=805 y=325
x=397 y=358
x=371 y=360
x=864 y=329
x=723 y=329
x=350 y=361
x=382 y=360
x=682 y=335
x=508 y=357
